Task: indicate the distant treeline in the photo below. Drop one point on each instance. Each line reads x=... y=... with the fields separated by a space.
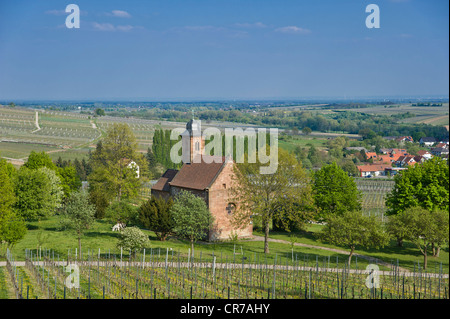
x=426 y=104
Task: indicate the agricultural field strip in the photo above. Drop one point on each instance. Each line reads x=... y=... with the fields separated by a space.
x=222 y=266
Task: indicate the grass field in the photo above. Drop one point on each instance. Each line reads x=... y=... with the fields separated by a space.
x=213 y=270
x=48 y=234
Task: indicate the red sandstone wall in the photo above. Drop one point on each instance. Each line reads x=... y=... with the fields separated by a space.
x=219 y=198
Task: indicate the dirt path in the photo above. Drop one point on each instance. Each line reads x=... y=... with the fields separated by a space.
x=335 y=250
x=406 y=273
x=38 y=128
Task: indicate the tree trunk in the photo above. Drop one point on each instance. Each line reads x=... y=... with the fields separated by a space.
x=433 y=249
x=350 y=256
x=438 y=250
x=425 y=257
x=119 y=197
x=266 y=238
x=79 y=246
x=399 y=242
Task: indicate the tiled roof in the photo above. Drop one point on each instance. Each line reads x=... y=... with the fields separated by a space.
x=198 y=176
x=372 y=168
x=163 y=183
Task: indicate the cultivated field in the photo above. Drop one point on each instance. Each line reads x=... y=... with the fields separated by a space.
x=165 y=274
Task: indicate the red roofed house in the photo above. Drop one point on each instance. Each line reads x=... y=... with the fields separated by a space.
x=372 y=170
x=208 y=177
x=425 y=154
x=406 y=160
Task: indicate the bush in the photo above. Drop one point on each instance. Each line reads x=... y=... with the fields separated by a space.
x=132 y=239
x=121 y=212
x=155 y=215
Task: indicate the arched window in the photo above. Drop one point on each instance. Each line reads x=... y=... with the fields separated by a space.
x=197 y=146
x=231 y=208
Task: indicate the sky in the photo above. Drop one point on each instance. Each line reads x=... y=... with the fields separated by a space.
x=222 y=49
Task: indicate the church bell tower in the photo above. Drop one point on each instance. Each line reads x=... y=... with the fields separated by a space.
x=192 y=142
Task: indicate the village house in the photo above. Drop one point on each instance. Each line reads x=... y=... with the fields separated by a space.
x=439 y=151
x=427 y=141
x=405 y=160
x=372 y=170
x=209 y=178
x=425 y=154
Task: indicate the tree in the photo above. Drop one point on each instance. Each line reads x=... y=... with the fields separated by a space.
x=192 y=219
x=121 y=212
x=155 y=215
x=285 y=194
x=334 y=191
x=110 y=164
x=12 y=227
x=70 y=180
x=7 y=196
x=349 y=167
x=425 y=228
x=37 y=160
x=306 y=130
x=99 y=112
x=352 y=229
x=425 y=185
x=100 y=201
x=37 y=192
x=78 y=214
x=397 y=228
x=132 y=239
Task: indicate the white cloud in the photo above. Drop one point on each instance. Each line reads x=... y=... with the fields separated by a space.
x=293 y=30
x=203 y=28
x=111 y=27
x=119 y=14
x=104 y=26
x=124 y=28
x=250 y=25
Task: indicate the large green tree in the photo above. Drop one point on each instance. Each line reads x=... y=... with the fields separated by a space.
x=38 y=193
x=334 y=191
x=352 y=229
x=37 y=160
x=111 y=171
x=424 y=228
x=78 y=214
x=425 y=185
x=192 y=218
x=12 y=227
x=284 y=195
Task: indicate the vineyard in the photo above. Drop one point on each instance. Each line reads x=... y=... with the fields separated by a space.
x=172 y=275
x=374 y=193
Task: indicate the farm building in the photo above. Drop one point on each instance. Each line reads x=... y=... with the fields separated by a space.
x=209 y=177
x=439 y=151
x=427 y=141
x=372 y=170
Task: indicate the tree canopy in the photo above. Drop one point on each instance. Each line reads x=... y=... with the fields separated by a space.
x=192 y=219
x=425 y=185
x=284 y=195
x=334 y=191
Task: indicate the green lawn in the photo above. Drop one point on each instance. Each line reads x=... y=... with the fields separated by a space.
x=289 y=143
x=48 y=233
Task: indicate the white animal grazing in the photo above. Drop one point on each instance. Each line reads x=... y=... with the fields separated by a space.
x=118 y=227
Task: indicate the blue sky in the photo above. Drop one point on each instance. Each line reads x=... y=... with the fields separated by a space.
x=223 y=49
